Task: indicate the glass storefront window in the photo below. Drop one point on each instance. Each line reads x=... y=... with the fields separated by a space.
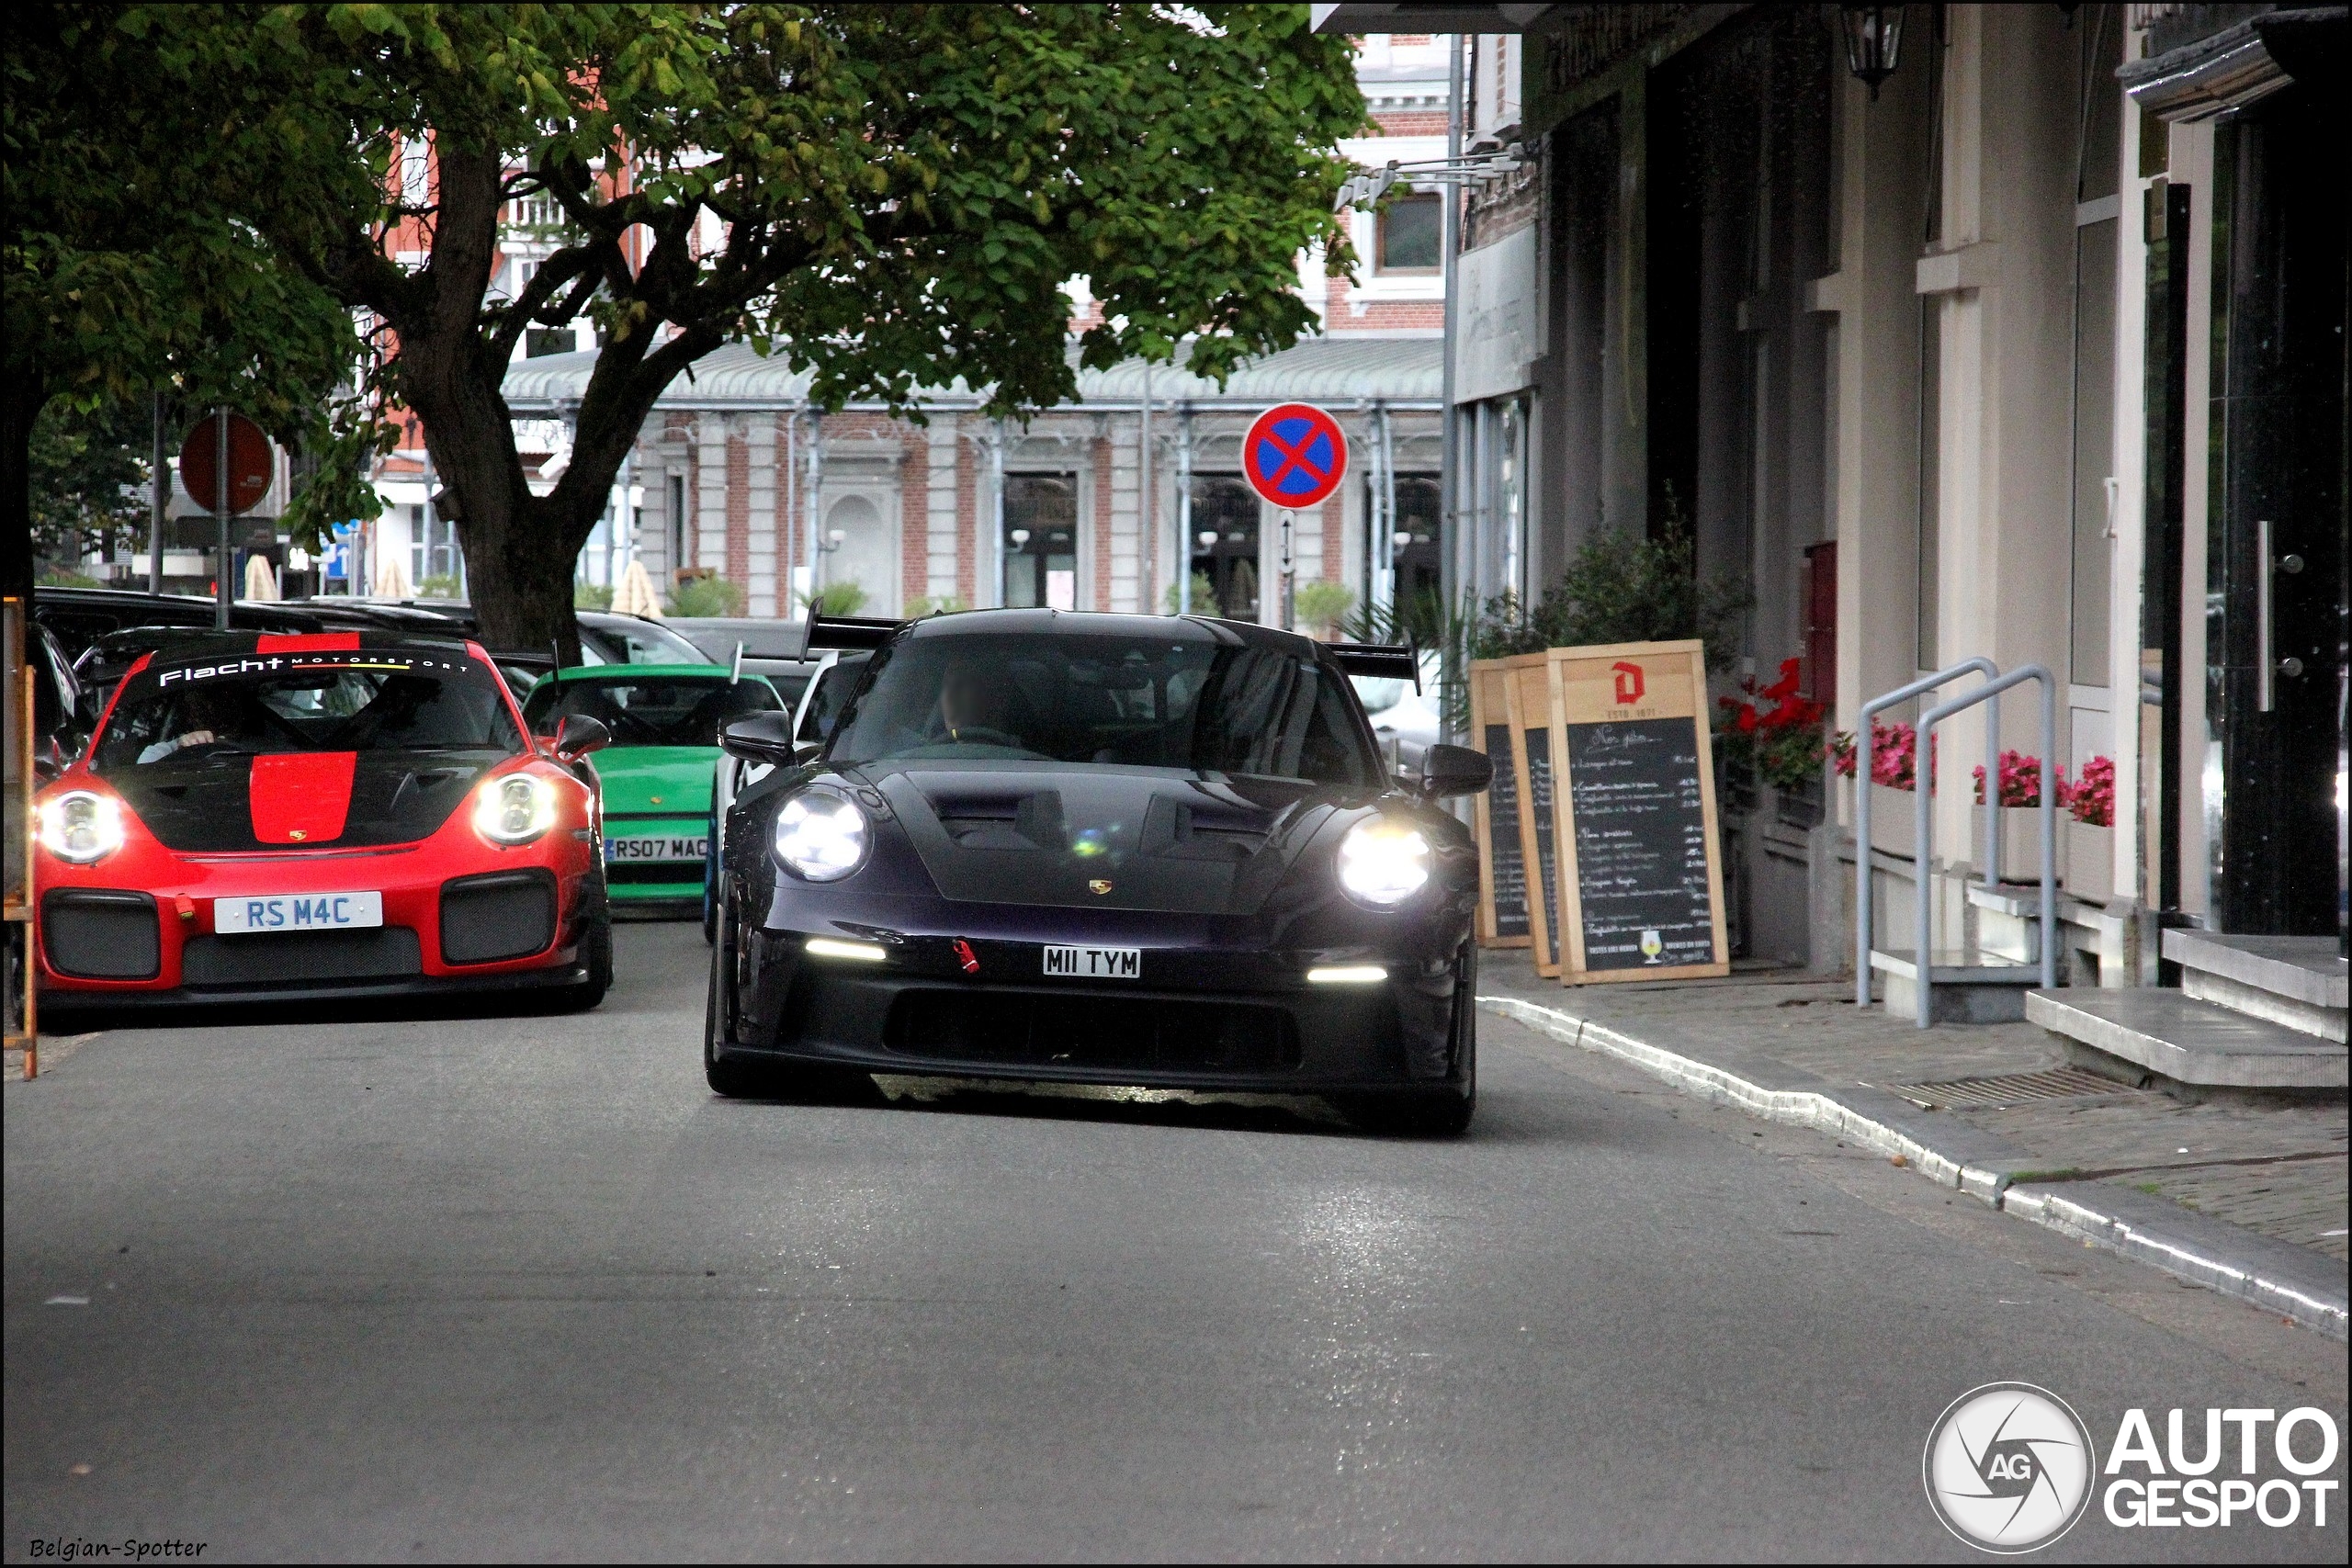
x=1040 y=541
x=1224 y=545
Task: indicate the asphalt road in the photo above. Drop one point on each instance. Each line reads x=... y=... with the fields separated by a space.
x=523 y=1288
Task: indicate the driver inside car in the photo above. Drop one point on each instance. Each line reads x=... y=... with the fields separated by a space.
x=972 y=708
x=208 y=717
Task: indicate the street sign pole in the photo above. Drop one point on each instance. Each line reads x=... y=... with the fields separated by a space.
x=161 y=486
x=220 y=486
x=1289 y=567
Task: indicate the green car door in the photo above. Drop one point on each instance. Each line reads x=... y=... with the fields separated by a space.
x=656 y=775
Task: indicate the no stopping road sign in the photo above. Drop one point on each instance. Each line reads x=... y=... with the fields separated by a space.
x=1294 y=454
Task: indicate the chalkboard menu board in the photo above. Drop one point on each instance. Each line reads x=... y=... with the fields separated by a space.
x=1502 y=859
x=1640 y=884
x=1641 y=827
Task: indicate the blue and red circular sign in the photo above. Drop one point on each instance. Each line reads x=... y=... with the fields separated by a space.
x=1294 y=454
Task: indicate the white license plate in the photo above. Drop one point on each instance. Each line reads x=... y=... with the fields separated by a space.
x=298 y=912
x=1095 y=963
x=669 y=849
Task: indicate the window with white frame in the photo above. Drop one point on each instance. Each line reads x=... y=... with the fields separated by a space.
x=1407 y=235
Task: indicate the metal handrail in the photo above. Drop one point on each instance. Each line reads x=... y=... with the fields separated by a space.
x=1924 y=954
x=1871 y=709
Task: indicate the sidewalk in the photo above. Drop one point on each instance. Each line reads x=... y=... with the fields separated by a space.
x=2246 y=1197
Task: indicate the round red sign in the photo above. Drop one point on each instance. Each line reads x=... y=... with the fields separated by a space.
x=1294 y=454
x=252 y=464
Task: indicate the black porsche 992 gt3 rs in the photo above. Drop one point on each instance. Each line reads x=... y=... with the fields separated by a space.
x=1104 y=849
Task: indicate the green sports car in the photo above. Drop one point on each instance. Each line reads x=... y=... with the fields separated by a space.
x=657 y=772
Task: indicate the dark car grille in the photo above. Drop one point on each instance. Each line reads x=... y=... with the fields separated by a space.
x=1068 y=1031
x=300 y=958
x=508 y=914
x=96 y=935
x=668 y=872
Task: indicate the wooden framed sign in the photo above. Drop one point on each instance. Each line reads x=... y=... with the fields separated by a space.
x=1640 y=885
x=1527 y=684
x=1502 y=857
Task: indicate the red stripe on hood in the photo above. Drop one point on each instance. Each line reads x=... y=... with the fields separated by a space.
x=307 y=642
x=300 y=798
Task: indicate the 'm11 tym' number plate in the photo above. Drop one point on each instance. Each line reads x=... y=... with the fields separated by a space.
x=1095 y=963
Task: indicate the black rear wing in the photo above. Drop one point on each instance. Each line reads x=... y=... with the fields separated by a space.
x=1378 y=660
x=847 y=632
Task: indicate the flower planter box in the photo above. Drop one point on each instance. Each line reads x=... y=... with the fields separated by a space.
x=1893 y=828
x=2090 y=861
x=2020 y=843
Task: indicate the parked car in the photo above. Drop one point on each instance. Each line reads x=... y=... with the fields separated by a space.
x=223 y=835
x=1128 y=849
x=775 y=649
x=79 y=617
x=656 y=774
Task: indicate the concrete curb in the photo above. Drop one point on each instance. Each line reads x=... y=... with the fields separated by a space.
x=2273 y=1275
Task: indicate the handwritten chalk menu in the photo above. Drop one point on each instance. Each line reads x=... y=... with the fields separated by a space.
x=1639 y=877
x=1502 y=859
x=1528 y=679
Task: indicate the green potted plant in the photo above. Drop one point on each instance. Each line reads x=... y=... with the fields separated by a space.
x=1323 y=607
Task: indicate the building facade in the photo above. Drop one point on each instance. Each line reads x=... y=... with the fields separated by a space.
x=2022 y=338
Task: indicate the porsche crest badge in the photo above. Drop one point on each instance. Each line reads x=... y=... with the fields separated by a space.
x=1100 y=885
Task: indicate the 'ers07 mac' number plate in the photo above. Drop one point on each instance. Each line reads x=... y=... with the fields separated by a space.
x=1095 y=963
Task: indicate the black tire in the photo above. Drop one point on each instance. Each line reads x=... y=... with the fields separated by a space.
x=596 y=946
x=733 y=1077
x=1441 y=1112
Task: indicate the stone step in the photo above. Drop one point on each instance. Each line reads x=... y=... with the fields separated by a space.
x=2296 y=981
x=2187 y=1040
x=1987 y=990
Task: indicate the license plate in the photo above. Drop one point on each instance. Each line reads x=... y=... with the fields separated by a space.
x=1095 y=963
x=669 y=849
x=298 y=912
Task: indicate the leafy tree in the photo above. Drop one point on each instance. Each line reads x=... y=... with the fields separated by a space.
x=893 y=196
x=157 y=160
x=89 y=480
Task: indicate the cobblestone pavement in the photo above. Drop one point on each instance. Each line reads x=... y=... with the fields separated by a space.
x=2275 y=1167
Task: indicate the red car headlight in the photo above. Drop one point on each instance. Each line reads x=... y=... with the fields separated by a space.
x=81 y=826
x=514 y=808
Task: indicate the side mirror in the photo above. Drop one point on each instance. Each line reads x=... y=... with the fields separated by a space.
x=761 y=738
x=576 y=736
x=1455 y=770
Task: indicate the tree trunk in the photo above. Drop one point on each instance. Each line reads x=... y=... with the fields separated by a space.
x=23 y=405
x=520 y=548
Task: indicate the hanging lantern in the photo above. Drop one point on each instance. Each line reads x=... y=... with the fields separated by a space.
x=1873 y=41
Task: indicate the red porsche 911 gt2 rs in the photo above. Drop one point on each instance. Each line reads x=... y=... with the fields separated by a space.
x=339 y=815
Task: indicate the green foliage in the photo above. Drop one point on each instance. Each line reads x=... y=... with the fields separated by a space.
x=1324 y=605
x=439 y=585
x=938 y=605
x=1203 y=596
x=90 y=484
x=590 y=596
x=69 y=580
x=709 y=594
x=1622 y=587
x=836 y=599
x=165 y=166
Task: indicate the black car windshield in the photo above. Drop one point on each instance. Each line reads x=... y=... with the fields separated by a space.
x=1139 y=700
x=370 y=700
x=651 y=710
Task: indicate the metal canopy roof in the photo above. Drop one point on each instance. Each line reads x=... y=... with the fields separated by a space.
x=1342 y=371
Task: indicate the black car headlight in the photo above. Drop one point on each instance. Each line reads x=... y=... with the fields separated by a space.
x=1384 y=861
x=822 y=836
